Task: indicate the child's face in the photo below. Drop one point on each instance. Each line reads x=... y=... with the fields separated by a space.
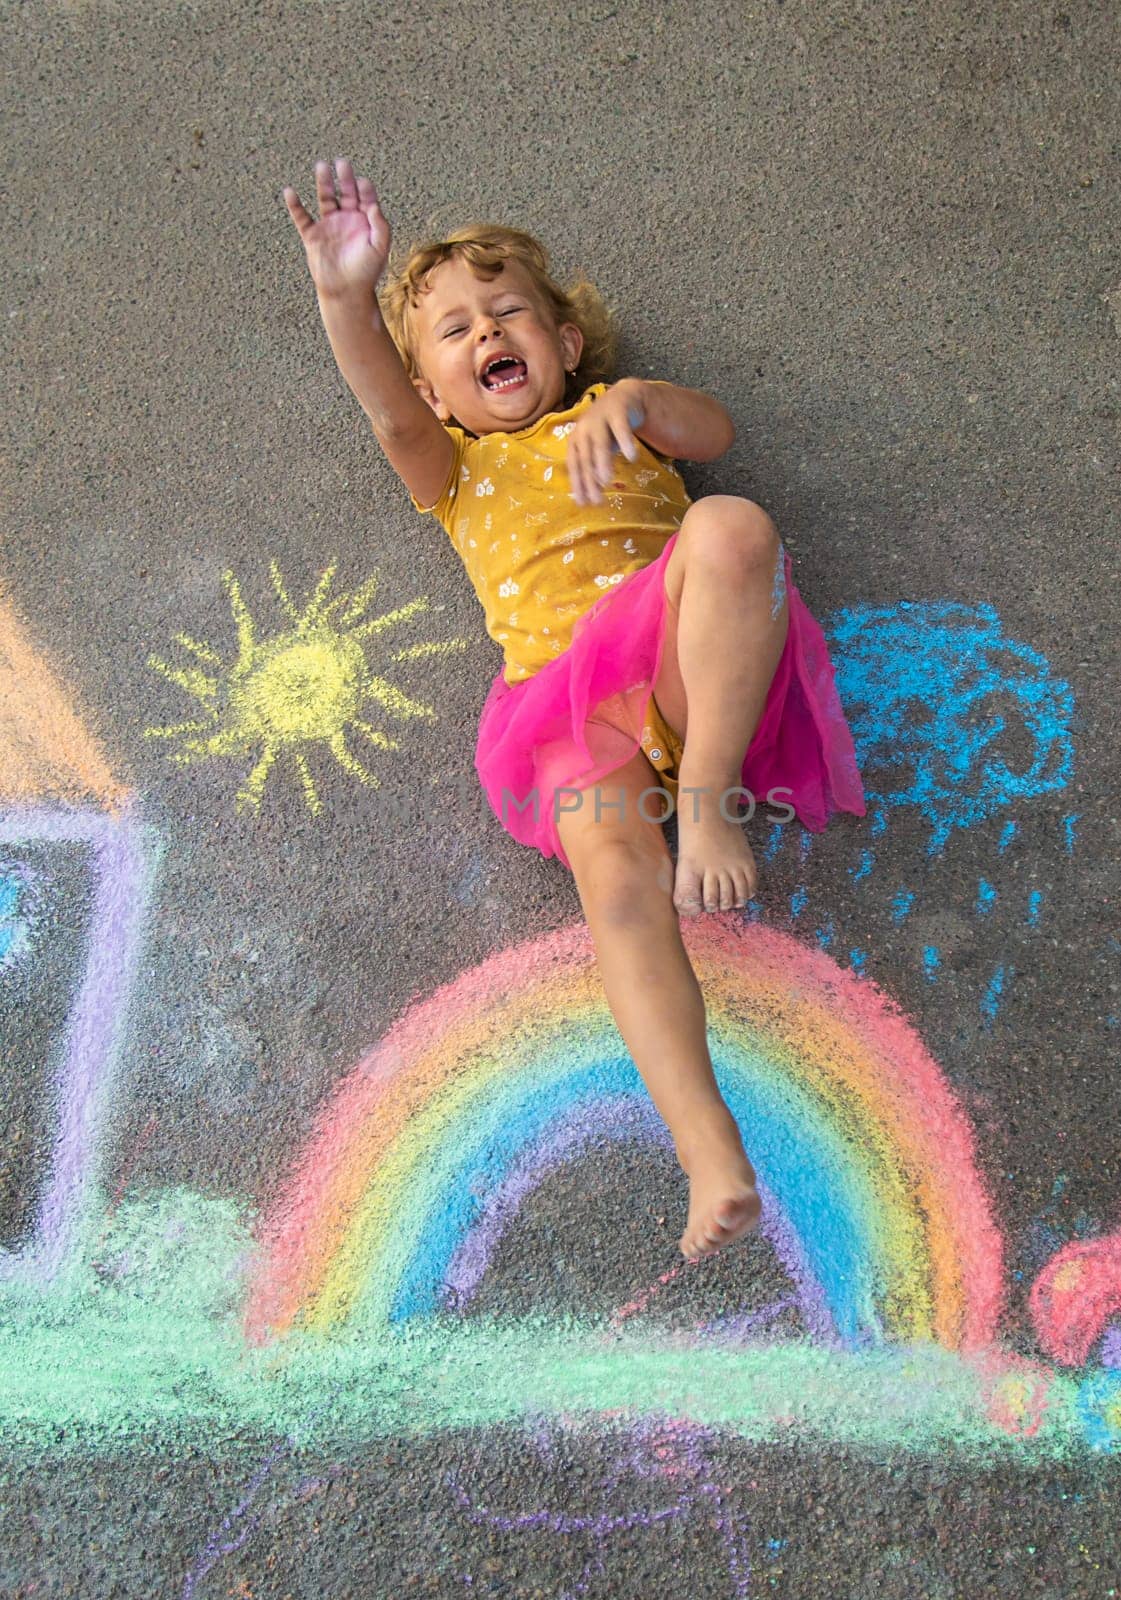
x=463 y=322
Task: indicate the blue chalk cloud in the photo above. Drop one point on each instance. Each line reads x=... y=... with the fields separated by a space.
x=947 y=713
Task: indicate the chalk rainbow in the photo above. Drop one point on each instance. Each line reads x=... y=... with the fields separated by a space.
x=865 y=1159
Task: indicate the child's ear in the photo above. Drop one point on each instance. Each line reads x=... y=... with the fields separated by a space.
x=428 y=394
x=572 y=343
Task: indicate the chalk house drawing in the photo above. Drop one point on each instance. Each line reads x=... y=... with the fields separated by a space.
x=59 y=791
x=284 y=694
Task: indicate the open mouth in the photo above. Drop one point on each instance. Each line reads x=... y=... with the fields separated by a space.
x=507 y=372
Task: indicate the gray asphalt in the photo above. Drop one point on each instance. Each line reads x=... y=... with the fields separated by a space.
x=886 y=237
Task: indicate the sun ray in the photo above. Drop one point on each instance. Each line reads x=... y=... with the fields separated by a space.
x=228 y=742
x=388 y=618
x=434 y=647
x=357 y=602
x=400 y=704
x=177 y=728
x=314 y=804
x=243 y=620
x=194 y=681
x=200 y=648
x=375 y=736
x=250 y=794
x=343 y=756
x=311 y=612
x=282 y=593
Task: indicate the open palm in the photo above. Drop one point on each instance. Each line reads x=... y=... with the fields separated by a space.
x=348 y=247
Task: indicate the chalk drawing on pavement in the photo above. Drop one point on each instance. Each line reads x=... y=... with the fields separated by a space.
x=59 y=791
x=430 y=1144
x=952 y=719
x=873 y=1199
x=351 y=1302
x=309 y=686
x=654 y=1459
x=948 y=714
x=1077 y=1296
x=20 y=903
x=875 y=1207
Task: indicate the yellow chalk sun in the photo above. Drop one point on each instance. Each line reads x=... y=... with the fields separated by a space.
x=302 y=687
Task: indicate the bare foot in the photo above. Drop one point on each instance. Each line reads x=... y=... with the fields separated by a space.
x=723 y=1201
x=715 y=867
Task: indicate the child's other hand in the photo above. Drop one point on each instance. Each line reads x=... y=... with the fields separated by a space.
x=348 y=248
x=605 y=427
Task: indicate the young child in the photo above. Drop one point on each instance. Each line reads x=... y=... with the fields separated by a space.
x=645 y=635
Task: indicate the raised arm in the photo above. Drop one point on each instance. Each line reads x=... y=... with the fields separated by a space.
x=413 y=439
x=369 y=361
x=347 y=252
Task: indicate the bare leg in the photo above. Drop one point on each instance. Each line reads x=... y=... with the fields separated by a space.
x=624 y=875
x=723 y=643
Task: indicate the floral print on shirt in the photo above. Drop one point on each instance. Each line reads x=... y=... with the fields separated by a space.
x=560 y=557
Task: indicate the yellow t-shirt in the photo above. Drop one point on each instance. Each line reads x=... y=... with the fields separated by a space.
x=538 y=560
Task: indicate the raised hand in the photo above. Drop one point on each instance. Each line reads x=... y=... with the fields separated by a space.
x=348 y=248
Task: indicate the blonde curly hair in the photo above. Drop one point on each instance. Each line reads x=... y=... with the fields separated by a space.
x=485 y=246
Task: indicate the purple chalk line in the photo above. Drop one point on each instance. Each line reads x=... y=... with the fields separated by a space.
x=123 y=869
x=614 y=1117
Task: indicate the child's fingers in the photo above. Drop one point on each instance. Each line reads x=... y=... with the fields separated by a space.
x=368 y=195
x=348 y=193
x=583 y=484
x=589 y=449
x=626 y=442
x=325 y=187
x=593 y=471
x=624 y=431
x=604 y=450
x=295 y=209
x=591 y=485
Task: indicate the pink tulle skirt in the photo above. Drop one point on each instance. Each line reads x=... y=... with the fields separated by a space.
x=582 y=715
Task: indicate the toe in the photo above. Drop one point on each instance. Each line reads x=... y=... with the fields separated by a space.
x=723 y=1225
x=739 y=1215
x=686 y=893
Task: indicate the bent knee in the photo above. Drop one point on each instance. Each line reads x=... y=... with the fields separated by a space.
x=734 y=532
x=617 y=876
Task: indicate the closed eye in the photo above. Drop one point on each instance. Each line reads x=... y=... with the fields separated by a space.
x=507 y=313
